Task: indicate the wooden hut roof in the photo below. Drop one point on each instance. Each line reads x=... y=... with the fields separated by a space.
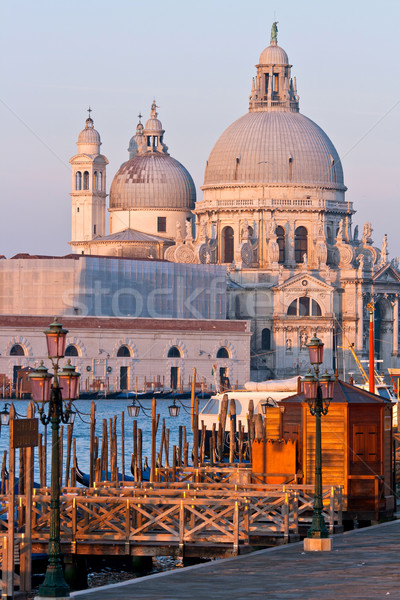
x=345 y=393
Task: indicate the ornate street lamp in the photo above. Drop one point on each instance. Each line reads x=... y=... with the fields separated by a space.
x=54 y=403
x=318 y=391
x=174 y=409
x=133 y=409
x=5 y=415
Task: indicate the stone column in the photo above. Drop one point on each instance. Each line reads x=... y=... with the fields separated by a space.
x=395 y=341
x=360 y=315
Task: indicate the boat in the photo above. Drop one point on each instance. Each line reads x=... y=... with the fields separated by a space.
x=84 y=478
x=269 y=392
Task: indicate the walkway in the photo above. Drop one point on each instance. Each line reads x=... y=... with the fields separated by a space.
x=363 y=564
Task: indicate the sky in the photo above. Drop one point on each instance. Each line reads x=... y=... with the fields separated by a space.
x=196 y=58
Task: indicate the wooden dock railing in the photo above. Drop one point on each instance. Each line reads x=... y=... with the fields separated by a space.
x=182 y=518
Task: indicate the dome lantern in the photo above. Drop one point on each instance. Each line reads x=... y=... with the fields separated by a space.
x=273 y=88
x=89 y=141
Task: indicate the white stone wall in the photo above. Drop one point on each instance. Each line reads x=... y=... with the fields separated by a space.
x=98 y=347
x=146 y=221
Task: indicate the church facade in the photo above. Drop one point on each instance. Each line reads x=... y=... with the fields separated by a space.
x=274 y=211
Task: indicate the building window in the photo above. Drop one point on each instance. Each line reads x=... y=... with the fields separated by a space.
x=95 y=180
x=304 y=307
x=280 y=239
x=228 y=245
x=100 y=181
x=86 y=180
x=77 y=210
x=123 y=352
x=94 y=229
x=300 y=244
x=266 y=83
x=17 y=350
x=266 y=339
x=174 y=352
x=223 y=352
x=290 y=168
x=161 y=224
x=78 y=180
x=71 y=350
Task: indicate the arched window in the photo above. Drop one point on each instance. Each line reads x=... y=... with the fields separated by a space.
x=17 y=350
x=266 y=339
x=71 y=350
x=78 y=180
x=223 y=352
x=95 y=181
x=304 y=307
x=228 y=245
x=86 y=180
x=300 y=244
x=174 y=352
x=280 y=239
x=100 y=181
x=123 y=352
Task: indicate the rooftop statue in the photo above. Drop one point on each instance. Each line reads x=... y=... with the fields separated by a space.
x=274 y=31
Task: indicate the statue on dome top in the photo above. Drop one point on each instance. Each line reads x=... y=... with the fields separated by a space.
x=274 y=32
x=153 y=110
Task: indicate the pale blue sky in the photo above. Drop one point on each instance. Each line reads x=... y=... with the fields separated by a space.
x=197 y=59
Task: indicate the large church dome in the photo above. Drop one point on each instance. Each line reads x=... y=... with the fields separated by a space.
x=151 y=178
x=275 y=147
x=273 y=144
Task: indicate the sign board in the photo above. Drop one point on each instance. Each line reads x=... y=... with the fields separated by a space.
x=24 y=433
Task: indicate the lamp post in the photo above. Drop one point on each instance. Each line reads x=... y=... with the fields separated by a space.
x=50 y=399
x=318 y=391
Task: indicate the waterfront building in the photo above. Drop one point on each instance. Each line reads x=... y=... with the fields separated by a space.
x=130 y=322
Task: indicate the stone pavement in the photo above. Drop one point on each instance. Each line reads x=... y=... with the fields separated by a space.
x=363 y=564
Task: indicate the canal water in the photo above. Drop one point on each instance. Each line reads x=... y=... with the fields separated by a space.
x=106 y=409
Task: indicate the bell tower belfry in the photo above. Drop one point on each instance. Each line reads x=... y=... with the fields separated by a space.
x=88 y=186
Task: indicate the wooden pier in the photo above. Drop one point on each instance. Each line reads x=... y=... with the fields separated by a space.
x=183 y=518
x=364 y=565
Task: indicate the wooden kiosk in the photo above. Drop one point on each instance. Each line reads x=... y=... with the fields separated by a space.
x=356 y=448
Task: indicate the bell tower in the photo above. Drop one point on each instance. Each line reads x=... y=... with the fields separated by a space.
x=88 y=187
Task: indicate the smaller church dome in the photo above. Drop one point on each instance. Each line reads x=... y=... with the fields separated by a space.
x=89 y=135
x=153 y=125
x=151 y=178
x=273 y=55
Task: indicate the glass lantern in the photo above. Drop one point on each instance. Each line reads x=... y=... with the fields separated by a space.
x=40 y=384
x=68 y=380
x=310 y=387
x=316 y=350
x=55 y=337
x=174 y=409
x=327 y=384
x=5 y=415
x=133 y=409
